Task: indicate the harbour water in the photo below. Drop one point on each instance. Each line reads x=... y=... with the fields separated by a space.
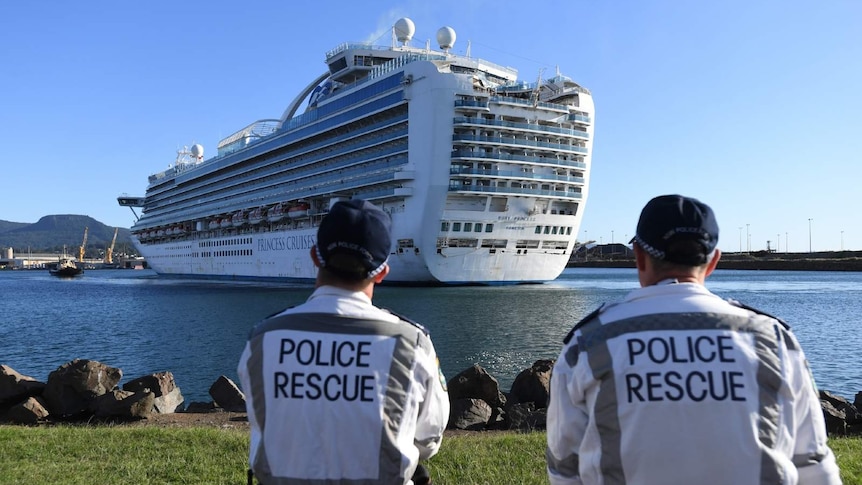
x=142 y=323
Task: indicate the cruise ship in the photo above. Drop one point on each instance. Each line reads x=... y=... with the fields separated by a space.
x=485 y=176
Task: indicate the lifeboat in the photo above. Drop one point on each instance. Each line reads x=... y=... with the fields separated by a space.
x=239 y=218
x=225 y=222
x=214 y=224
x=257 y=216
x=160 y=233
x=276 y=213
x=298 y=210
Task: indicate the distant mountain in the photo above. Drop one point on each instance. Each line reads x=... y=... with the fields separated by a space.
x=51 y=233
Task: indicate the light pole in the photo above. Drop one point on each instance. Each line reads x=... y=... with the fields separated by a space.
x=809 y=234
x=612 y=236
x=747 y=239
x=586 y=248
x=778 y=243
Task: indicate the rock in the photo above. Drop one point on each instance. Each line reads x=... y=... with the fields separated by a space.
x=202 y=407
x=526 y=416
x=73 y=387
x=124 y=405
x=851 y=412
x=30 y=411
x=15 y=387
x=476 y=383
x=468 y=414
x=533 y=385
x=835 y=419
x=169 y=398
x=227 y=395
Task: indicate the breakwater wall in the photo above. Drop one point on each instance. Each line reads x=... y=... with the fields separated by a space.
x=828 y=261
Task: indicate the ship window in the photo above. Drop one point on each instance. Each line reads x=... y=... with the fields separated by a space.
x=568 y=231
x=489 y=227
x=468 y=226
x=478 y=227
x=547 y=229
x=538 y=229
x=554 y=230
x=444 y=226
x=456 y=227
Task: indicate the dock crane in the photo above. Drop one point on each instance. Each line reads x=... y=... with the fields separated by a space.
x=109 y=253
x=83 y=248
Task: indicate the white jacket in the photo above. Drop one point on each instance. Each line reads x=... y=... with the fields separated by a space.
x=339 y=391
x=676 y=386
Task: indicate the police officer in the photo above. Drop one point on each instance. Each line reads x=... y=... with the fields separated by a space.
x=675 y=385
x=338 y=390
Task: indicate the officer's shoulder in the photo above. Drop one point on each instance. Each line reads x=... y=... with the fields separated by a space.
x=278 y=313
x=409 y=321
x=593 y=314
x=739 y=304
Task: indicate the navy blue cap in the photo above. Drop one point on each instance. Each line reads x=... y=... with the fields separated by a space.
x=668 y=219
x=354 y=238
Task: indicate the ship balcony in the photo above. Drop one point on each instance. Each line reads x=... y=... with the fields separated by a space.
x=580 y=119
x=513 y=191
x=520 y=127
x=517 y=175
x=468 y=104
x=560 y=108
x=518 y=143
x=506 y=157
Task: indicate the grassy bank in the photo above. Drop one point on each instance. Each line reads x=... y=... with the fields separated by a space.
x=122 y=455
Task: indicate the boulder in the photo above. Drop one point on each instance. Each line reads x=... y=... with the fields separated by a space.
x=169 y=398
x=30 y=411
x=124 y=405
x=202 y=407
x=15 y=387
x=836 y=423
x=526 y=417
x=476 y=383
x=72 y=388
x=469 y=414
x=533 y=385
x=227 y=395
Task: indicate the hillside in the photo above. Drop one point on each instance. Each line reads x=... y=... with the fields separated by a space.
x=51 y=233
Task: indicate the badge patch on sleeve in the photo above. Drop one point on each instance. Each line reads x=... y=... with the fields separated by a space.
x=442 y=377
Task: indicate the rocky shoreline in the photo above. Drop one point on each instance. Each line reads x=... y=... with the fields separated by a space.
x=86 y=391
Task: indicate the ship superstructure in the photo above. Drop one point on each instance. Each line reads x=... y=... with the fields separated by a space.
x=485 y=176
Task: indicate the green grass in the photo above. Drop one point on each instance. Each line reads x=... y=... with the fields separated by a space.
x=141 y=455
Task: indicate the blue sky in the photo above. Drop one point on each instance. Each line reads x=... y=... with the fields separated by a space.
x=753 y=107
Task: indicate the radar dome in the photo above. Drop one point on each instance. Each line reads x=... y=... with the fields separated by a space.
x=446 y=37
x=404 y=30
x=197 y=151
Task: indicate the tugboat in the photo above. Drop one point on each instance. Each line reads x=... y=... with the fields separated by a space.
x=66 y=267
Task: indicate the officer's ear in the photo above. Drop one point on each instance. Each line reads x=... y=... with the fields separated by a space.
x=381 y=275
x=313 y=252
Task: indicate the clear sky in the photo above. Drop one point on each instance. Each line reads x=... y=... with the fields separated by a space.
x=755 y=107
